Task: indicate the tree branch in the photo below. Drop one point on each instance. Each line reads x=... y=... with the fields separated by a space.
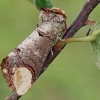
x=82 y=17
x=13 y=96
x=77 y=24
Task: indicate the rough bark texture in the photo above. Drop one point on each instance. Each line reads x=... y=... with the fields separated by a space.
x=24 y=64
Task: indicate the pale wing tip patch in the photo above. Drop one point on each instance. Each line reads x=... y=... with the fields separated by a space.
x=22 y=80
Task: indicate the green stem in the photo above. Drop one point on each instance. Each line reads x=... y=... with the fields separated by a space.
x=61 y=43
x=83 y=39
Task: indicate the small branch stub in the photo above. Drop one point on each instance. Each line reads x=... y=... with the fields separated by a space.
x=23 y=65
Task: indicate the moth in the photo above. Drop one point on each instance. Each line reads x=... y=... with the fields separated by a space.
x=23 y=65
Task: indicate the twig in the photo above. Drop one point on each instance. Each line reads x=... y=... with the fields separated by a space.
x=82 y=17
x=77 y=24
x=13 y=96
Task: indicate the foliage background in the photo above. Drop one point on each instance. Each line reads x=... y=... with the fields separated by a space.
x=72 y=75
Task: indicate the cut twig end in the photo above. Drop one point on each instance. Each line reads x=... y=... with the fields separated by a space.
x=89 y=22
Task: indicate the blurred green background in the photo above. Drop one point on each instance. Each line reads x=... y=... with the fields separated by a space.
x=72 y=75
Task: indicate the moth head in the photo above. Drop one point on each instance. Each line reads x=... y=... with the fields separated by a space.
x=54 y=14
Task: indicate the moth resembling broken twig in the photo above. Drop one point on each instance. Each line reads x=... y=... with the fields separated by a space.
x=23 y=65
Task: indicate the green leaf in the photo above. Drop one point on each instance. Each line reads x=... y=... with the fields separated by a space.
x=96 y=45
x=48 y=3
x=42 y=4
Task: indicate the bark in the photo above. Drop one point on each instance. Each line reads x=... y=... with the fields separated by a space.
x=23 y=65
x=13 y=96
